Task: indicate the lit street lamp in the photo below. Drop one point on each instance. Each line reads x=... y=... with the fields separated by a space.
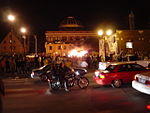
x=104 y=35
x=11 y=18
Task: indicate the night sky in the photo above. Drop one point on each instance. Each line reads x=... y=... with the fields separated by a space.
x=42 y=15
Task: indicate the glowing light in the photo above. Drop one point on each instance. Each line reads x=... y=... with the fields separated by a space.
x=109 y=32
x=129 y=45
x=11 y=18
x=77 y=53
x=148 y=107
x=101 y=76
x=97 y=73
x=23 y=30
x=100 y=32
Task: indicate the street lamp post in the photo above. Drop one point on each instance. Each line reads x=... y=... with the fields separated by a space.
x=23 y=31
x=35 y=37
x=104 y=35
x=11 y=18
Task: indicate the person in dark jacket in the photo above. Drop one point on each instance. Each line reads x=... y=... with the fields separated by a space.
x=63 y=71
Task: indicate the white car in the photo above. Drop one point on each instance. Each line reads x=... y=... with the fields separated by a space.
x=142 y=82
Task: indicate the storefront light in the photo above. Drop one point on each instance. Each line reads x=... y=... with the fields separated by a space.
x=129 y=44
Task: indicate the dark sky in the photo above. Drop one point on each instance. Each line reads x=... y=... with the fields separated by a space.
x=43 y=15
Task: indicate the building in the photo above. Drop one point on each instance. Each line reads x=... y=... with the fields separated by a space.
x=13 y=44
x=133 y=42
x=71 y=35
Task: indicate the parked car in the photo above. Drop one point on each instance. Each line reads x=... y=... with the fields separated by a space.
x=36 y=73
x=40 y=73
x=117 y=74
x=141 y=82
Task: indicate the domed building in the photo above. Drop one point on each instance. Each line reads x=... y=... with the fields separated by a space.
x=70 y=24
x=71 y=34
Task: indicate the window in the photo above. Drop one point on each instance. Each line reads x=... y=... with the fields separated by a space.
x=111 y=68
x=136 y=67
x=125 y=67
x=50 y=47
x=59 y=47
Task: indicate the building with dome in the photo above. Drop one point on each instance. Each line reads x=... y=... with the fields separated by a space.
x=71 y=35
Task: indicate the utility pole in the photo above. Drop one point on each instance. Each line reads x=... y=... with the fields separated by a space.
x=35 y=37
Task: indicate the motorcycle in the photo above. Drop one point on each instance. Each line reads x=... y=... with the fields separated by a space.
x=72 y=78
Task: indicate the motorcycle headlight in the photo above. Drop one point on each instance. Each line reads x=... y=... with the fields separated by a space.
x=85 y=70
x=77 y=73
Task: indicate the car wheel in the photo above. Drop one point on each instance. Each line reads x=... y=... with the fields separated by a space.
x=116 y=83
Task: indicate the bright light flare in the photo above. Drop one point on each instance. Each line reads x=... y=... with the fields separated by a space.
x=100 y=32
x=148 y=107
x=97 y=73
x=102 y=76
x=77 y=53
x=23 y=30
x=11 y=18
x=109 y=32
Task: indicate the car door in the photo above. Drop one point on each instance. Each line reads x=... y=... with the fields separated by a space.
x=124 y=73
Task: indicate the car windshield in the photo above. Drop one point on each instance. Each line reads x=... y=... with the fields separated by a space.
x=43 y=67
x=110 y=68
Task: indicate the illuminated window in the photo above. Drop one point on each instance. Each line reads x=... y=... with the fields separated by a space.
x=129 y=44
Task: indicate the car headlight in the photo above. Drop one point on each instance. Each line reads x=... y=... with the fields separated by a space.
x=32 y=75
x=85 y=70
x=97 y=73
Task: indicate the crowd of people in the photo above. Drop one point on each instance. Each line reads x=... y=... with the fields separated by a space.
x=23 y=65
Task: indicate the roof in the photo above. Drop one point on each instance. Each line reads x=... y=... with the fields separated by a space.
x=70 y=22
